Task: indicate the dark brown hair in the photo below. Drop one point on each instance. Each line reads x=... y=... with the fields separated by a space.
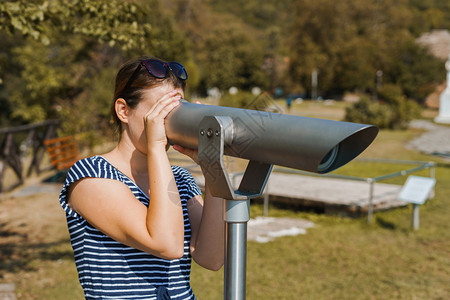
x=133 y=93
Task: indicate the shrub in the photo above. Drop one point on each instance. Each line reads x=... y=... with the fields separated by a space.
x=404 y=110
x=393 y=111
x=368 y=112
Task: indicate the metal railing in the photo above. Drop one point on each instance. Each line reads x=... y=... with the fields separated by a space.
x=421 y=165
x=15 y=145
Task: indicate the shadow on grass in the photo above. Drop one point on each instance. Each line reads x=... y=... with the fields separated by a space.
x=17 y=253
x=385 y=224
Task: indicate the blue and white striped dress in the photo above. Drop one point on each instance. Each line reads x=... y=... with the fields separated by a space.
x=108 y=269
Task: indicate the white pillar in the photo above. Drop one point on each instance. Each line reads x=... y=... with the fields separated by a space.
x=444 y=100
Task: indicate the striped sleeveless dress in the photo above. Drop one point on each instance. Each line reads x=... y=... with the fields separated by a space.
x=108 y=269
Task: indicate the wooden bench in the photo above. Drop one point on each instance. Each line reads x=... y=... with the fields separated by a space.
x=63 y=152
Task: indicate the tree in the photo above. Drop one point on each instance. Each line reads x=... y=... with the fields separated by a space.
x=350 y=40
x=319 y=31
x=415 y=70
x=231 y=57
x=63 y=57
x=59 y=40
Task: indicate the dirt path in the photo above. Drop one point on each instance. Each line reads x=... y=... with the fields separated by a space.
x=435 y=141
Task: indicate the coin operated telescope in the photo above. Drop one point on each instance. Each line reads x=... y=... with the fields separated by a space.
x=265 y=139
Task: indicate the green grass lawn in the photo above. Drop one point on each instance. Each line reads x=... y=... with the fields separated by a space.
x=339 y=258
x=343 y=258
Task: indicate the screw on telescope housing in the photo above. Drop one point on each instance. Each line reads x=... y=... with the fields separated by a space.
x=210 y=132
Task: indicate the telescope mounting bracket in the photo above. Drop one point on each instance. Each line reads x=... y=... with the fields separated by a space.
x=215 y=133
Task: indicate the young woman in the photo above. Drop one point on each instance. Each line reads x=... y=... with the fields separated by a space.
x=135 y=221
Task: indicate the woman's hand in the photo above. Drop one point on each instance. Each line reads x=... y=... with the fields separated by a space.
x=193 y=154
x=155 y=131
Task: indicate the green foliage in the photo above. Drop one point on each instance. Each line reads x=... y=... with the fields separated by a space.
x=63 y=62
x=54 y=54
x=107 y=21
x=88 y=115
x=347 y=42
x=261 y=14
x=403 y=109
x=429 y=14
x=368 y=112
x=414 y=70
x=394 y=111
x=241 y=99
x=25 y=17
x=317 y=34
x=231 y=57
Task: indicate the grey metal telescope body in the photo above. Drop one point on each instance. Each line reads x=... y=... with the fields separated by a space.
x=265 y=139
x=308 y=144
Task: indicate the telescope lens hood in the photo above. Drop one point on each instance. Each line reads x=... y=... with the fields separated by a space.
x=328 y=160
x=352 y=139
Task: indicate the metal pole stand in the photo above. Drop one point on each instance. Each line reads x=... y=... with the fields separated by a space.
x=216 y=133
x=415 y=218
x=237 y=214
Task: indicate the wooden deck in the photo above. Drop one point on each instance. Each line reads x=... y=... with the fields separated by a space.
x=327 y=195
x=331 y=196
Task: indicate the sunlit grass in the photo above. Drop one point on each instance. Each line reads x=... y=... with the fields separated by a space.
x=343 y=258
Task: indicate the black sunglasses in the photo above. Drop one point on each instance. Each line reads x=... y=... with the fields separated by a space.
x=158 y=69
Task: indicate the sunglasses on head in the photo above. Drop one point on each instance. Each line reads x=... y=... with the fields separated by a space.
x=158 y=69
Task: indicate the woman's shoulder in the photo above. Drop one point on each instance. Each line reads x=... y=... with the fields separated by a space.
x=87 y=164
x=94 y=166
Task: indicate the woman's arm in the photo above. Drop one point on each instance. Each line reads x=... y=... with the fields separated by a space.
x=207 y=226
x=111 y=207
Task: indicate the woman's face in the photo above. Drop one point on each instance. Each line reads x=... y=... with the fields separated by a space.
x=136 y=115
